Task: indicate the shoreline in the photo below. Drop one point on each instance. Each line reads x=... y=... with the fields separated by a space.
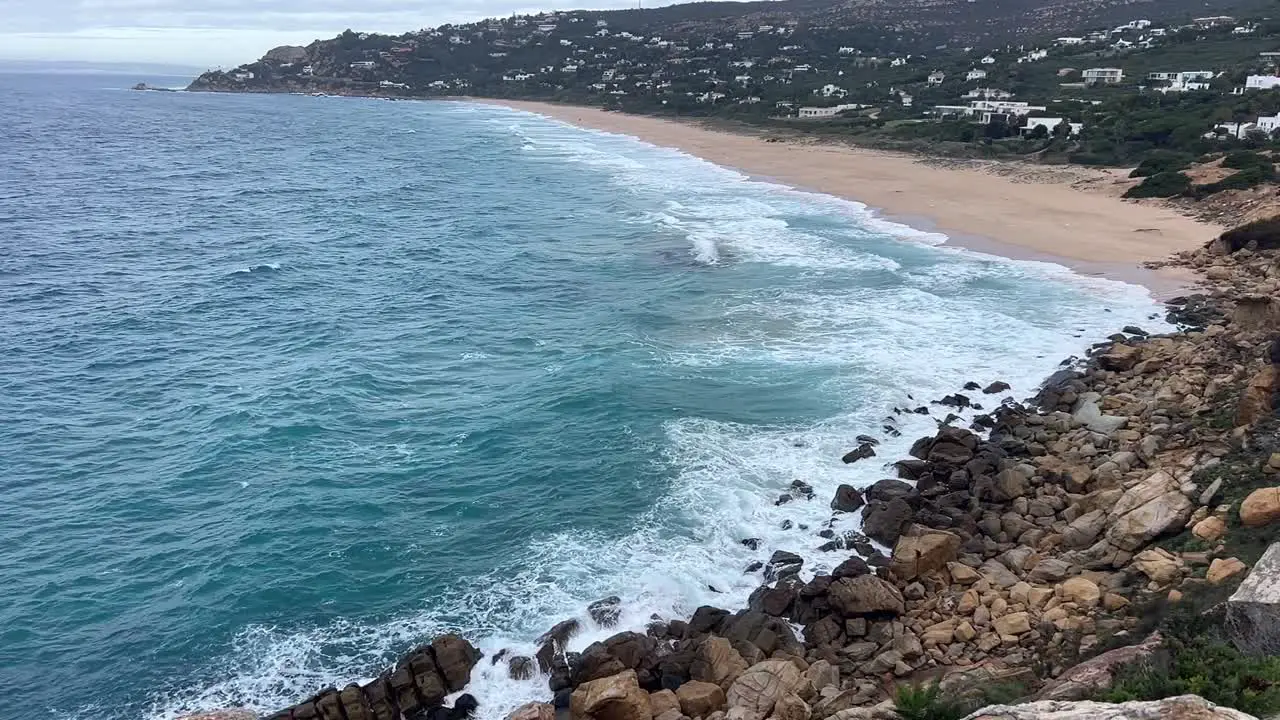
x=1092 y=233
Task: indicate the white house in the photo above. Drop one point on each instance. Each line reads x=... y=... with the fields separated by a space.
x=244 y=75
x=975 y=74
x=1269 y=125
x=1235 y=130
x=988 y=60
x=826 y=112
x=1069 y=41
x=364 y=65
x=1050 y=124
x=987 y=94
x=848 y=51
x=1262 y=82
x=936 y=77
x=1103 y=76
x=827 y=91
x=907 y=100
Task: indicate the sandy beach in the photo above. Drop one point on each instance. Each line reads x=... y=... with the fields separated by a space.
x=1045 y=218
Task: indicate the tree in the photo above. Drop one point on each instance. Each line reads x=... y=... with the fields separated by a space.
x=1040 y=132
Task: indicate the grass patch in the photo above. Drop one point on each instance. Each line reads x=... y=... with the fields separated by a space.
x=926 y=702
x=1211 y=669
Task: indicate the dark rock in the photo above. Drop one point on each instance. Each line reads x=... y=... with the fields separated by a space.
x=955 y=401
x=464 y=707
x=624 y=651
x=753 y=543
x=847 y=499
x=911 y=469
x=971 y=385
x=864 y=451
x=775 y=601
x=454 y=657
x=852 y=567
x=998 y=386
x=605 y=612
x=802 y=489
x=827 y=631
x=922 y=410
x=890 y=489
x=706 y=619
x=520 y=667
x=786 y=525
x=561 y=699
x=783 y=499
x=781 y=564
x=920 y=448
x=753 y=567
x=1134 y=330
x=884 y=521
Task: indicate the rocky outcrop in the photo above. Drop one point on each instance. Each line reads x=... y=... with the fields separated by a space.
x=754 y=694
x=1253 y=611
x=615 y=697
x=235 y=714
x=1098 y=673
x=1183 y=707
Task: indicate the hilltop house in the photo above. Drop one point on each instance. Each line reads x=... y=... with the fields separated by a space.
x=987 y=110
x=1262 y=82
x=364 y=65
x=826 y=112
x=1103 y=76
x=975 y=74
x=936 y=77
x=1182 y=81
x=987 y=94
x=1051 y=124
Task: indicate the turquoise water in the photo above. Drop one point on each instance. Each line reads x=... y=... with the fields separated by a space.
x=292 y=383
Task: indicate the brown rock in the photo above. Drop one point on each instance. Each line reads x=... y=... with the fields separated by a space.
x=700 y=699
x=533 y=711
x=753 y=695
x=1012 y=624
x=1097 y=674
x=1262 y=507
x=664 y=700
x=455 y=657
x=1256 y=400
x=617 y=697
x=717 y=662
x=864 y=595
x=1120 y=357
x=1221 y=570
x=922 y=551
x=962 y=574
x=790 y=707
x=1161 y=566
x=1210 y=528
x=1081 y=591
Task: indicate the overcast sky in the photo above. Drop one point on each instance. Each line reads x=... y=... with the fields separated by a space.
x=208 y=33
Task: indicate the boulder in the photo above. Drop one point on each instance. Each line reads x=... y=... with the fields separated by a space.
x=700 y=699
x=790 y=707
x=1012 y=624
x=533 y=711
x=1119 y=357
x=554 y=641
x=605 y=612
x=822 y=674
x=782 y=564
x=1258 y=398
x=1253 y=610
x=1222 y=570
x=754 y=694
x=455 y=657
x=626 y=650
x=1081 y=591
x=847 y=499
x=1158 y=564
x=520 y=667
x=884 y=521
x=1147 y=510
x=1210 y=528
x=1084 y=530
x=921 y=551
x=863 y=451
x=717 y=662
x=1182 y=707
x=998 y=386
x=617 y=697
x=664 y=700
x=865 y=595
x=1098 y=673
x=1261 y=507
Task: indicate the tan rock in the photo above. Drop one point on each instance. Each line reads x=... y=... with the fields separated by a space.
x=1081 y=591
x=790 y=707
x=1210 y=528
x=1038 y=596
x=664 y=700
x=970 y=600
x=700 y=699
x=922 y=551
x=1262 y=507
x=821 y=674
x=533 y=711
x=864 y=594
x=1159 y=565
x=964 y=632
x=753 y=695
x=1175 y=596
x=617 y=697
x=1257 y=397
x=1012 y=624
x=962 y=574
x=716 y=661
x=1112 y=601
x=1221 y=570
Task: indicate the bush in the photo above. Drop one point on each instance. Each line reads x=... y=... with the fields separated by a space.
x=1244 y=159
x=1217 y=672
x=1263 y=234
x=1161 y=162
x=915 y=702
x=1164 y=184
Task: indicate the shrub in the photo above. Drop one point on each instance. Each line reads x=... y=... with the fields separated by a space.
x=1263 y=234
x=1165 y=184
x=915 y=702
x=1217 y=672
x=1239 y=180
x=1161 y=162
x=1244 y=159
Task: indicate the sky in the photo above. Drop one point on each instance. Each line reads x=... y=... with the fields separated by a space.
x=214 y=33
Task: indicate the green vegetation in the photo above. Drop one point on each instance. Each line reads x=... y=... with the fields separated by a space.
x=1162 y=161
x=925 y=702
x=1246 y=159
x=1208 y=668
x=1239 y=180
x=1161 y=184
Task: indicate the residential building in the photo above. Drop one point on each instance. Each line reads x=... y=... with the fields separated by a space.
x=975 y=74
x=826 y=112
x=1103 y=76
x=1069 y=41
x=988 y=60
x=937 y=77
x=1269 y=125
x=364 y=65
x=1051 y=124
x=1262 y=82
x=987 y=94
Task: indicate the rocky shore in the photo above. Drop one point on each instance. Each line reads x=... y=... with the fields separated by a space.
x=1015 y=552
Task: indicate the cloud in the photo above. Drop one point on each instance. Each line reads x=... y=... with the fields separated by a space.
x=224 y=32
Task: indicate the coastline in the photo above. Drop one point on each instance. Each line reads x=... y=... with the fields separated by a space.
x=1092 y=233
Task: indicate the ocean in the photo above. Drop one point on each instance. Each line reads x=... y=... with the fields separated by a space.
x=291 y=384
